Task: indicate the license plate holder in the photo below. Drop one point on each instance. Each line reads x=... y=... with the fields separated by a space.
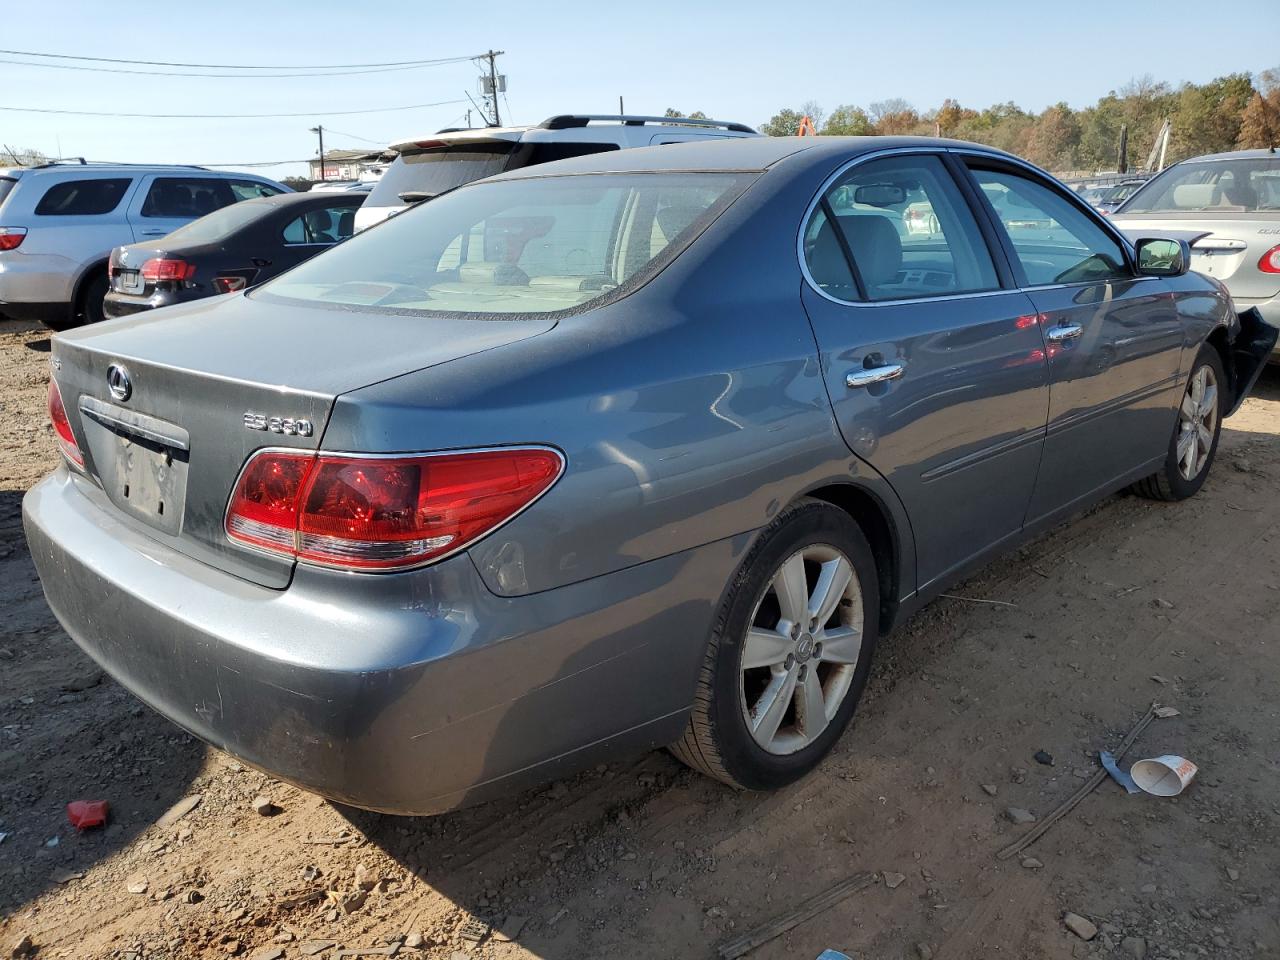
x=130 y=281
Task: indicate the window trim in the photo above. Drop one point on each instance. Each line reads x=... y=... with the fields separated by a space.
x=1010 y=165
x=997 y=254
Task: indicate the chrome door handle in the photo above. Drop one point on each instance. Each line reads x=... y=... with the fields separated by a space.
x=865 y=378
x=1067 y=331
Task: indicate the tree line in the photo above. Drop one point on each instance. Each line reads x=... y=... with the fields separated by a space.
x=1238 y=111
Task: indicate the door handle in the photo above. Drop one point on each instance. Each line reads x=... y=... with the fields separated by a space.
x=865 y=378
x=1064 y=332
x=153 y=233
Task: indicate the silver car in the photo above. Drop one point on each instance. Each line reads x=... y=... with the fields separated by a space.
x=59 y=222
x=1228 y=206
x=638 y=449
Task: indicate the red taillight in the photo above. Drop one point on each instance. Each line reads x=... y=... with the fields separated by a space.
x=229 y=284
x=62 y=426
x=159 y=269
x=1270 y=261
x=11 y=237
x=376 y=513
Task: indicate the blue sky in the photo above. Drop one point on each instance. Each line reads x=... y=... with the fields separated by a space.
x=740 y=61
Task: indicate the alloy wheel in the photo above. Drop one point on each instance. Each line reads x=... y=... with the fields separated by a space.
x=1197 y=418
x=801 y=649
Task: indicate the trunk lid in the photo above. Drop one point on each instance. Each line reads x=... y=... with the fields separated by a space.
x=212 y=381
x=1228 y=248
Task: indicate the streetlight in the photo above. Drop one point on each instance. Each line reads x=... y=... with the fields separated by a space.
x=319 y=131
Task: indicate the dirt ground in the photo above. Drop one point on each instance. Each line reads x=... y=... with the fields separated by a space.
x=1084 y=628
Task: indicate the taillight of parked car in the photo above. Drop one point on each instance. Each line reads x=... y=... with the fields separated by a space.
x=229 y=284
x=11 y=237
x=162 y=269
x=1270 y=262
x=62 y=426
x=382 y=513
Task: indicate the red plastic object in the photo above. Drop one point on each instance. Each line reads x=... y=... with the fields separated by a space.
x=84 y=814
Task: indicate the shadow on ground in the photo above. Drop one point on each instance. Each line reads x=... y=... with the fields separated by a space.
x=67 y=732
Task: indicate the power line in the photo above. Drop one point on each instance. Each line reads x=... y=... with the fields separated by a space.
x=233 y=76
x=242 y=66
x=354 y=137
x=228 y=116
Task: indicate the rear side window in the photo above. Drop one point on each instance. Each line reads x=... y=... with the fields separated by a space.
x=6 y=184
x=83 y=198
x=251 y=189
x=896 y=229
x=1054 y=240
x=325 y=225
x=186 y=197
x=529 y=246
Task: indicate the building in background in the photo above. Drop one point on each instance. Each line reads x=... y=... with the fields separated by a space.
x=350 y=164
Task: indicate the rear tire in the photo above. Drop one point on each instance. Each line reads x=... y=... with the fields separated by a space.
x=92 y=293
x=776 y=691
x=1195 y=434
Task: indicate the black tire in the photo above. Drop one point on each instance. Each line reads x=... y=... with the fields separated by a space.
x=93 y=290
x=1168 y=483
x=717 y=741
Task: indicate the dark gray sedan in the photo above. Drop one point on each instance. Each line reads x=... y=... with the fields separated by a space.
x=646 y=448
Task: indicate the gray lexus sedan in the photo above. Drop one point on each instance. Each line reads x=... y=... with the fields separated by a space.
x=639 y=449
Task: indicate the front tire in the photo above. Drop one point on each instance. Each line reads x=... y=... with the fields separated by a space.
x=789 y=652
x=1195 y=435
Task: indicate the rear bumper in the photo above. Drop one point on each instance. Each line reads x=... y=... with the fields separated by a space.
x=122 y=305
x=409 y=693
x=1268 y=309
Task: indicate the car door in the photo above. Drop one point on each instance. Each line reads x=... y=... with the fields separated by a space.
x=934 y=365
x=306 y=233
x=164 y=203
x=1114 y=338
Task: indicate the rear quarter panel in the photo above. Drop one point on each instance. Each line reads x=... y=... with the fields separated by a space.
x=690 y=411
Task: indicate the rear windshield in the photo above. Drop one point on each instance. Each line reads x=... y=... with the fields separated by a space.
x=517 y=246
x=439 y=169
x=1212 y=186
x=220 y=224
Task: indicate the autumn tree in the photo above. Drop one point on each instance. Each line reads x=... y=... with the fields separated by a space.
x=847 y=120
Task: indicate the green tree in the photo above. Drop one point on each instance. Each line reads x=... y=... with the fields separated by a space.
x=674 y=113
x=1206 y=117
x=784 y=123
x=847 y=120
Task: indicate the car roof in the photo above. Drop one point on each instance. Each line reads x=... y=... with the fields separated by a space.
x=1259 y=154
x=591 y=128
x=734 y=153
x=300 y=199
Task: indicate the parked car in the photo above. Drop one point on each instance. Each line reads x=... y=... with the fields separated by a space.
x=59 y=222
x=427 y=167
x=626 y=451
x=1118 y=194
x=228 y=250
x=1227 y=206
x=342 y=186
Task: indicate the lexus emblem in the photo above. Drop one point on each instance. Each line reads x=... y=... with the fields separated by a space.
x=118 y=382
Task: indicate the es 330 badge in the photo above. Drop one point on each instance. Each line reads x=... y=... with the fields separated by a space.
x=289 y=426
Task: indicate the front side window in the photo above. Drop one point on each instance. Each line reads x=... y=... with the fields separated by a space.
x=1211 y=187
x=1053 y=239
x=83 y=198
x=896 y=229
x=325 y=225
x=252 y=189
x=186 y=197
x=539 y=245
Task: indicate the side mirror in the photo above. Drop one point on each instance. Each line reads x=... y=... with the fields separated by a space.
x=1159 y=257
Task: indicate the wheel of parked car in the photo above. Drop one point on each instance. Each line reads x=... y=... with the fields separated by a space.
x=1195 y=436
x=789 y=652
x=92 y=294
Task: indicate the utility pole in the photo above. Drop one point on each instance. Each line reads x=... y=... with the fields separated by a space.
x=319 y=131
x=493 y=84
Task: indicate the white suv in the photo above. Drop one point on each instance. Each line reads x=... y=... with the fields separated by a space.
x=60 y=221
x=429 y=166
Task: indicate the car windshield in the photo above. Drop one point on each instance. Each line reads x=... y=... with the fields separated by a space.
x=433 y=170
x=526 y=246
x=1243 y=185
x=220 y=224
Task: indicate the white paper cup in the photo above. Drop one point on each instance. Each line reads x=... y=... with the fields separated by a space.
x=1165 y=776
